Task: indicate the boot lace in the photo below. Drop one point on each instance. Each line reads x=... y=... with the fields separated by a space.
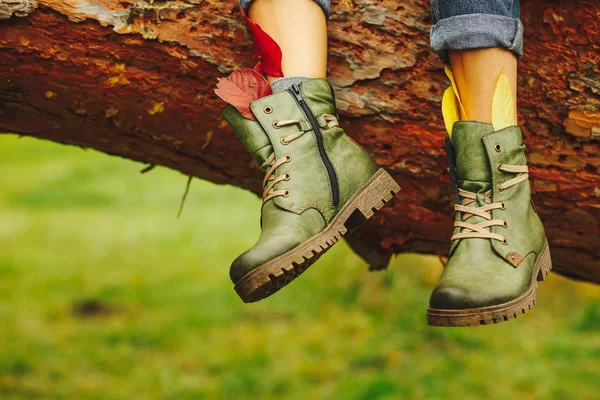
x=479 y=230
x=271 y=179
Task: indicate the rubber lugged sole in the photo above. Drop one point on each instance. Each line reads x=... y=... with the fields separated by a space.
x=270 y=277
x=501 y=312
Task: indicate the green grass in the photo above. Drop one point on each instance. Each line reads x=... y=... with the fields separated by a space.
x=105 y=294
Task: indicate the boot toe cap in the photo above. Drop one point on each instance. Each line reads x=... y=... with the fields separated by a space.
x=242 y=265
x=458 y=298
x=282 y=232
x=259 y=255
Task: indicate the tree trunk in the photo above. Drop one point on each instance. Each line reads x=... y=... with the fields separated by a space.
x=135 y=79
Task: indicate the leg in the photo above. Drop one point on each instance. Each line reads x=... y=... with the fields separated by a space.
x=498 y=249
x=478 y=39
x=476 y=72
x=300 y=29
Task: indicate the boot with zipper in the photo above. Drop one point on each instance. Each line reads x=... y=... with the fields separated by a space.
x=318 y=184
x=499 y=249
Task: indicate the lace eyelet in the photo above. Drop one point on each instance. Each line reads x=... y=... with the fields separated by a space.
x=284 y=142
x=505 y=225
x=276 y=125
x=268 y=109
x=498 y=148
x=287 y=193
x=504 y=242
x=503 y=206
x=500 y=167
x=288 y=158
x=287 y=177
x=500 y=188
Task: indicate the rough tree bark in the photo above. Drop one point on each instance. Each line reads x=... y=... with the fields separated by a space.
x=135 y=79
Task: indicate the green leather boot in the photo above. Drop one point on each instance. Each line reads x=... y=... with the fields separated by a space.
x=318 y=184
x=499 y=249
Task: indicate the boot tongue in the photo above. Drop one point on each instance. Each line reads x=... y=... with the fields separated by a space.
x=472 y=166
x=472 y=170
x=251 y=134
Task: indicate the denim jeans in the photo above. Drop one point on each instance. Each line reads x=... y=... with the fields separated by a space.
x=474 y=24
x=467 y=24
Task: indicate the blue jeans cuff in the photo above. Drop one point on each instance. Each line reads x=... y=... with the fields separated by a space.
x=325 y=5
x=476 y=31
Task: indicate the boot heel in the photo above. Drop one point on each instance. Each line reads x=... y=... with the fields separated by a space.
x=371 y=197
x=545 y=263
x=380 y=191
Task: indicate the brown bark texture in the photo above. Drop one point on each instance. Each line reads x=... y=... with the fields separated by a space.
x=135 y=79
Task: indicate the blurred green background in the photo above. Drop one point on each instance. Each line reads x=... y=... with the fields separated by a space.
x=105 y=294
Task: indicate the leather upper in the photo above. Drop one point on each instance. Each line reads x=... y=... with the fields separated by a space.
x=290 y=221
x=484 y=272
